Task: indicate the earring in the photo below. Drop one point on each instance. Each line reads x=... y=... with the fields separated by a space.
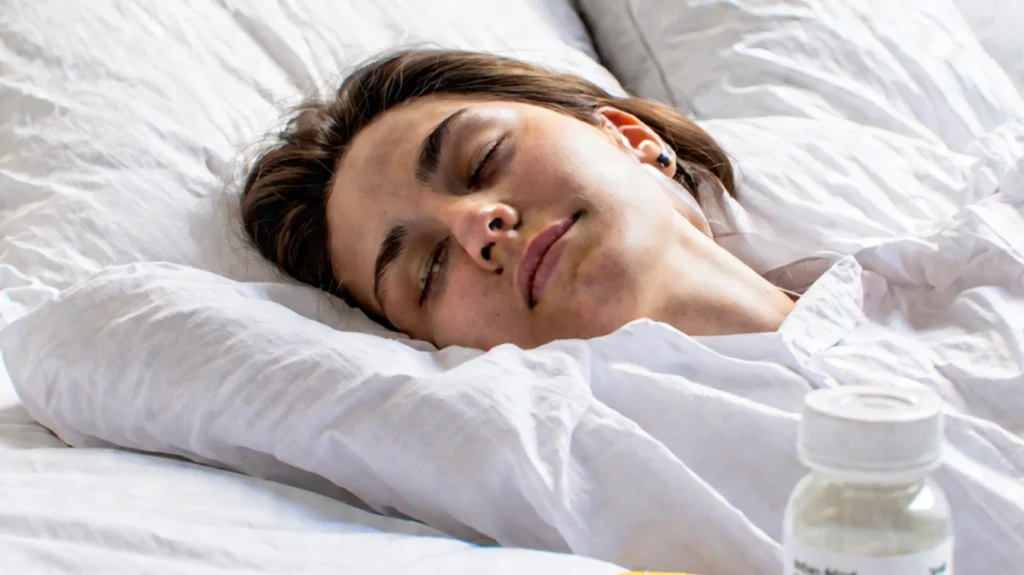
x=663 y=160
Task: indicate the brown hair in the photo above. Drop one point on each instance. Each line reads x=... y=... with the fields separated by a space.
x=285 y=194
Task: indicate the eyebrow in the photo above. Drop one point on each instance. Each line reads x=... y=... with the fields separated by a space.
x=430 y=149
x=392 y=247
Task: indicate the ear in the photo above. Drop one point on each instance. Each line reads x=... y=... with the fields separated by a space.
x=637 y=138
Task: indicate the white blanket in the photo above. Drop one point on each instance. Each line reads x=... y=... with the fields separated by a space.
x=105 y=511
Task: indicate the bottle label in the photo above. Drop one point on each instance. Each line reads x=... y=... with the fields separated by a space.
x=805 y=560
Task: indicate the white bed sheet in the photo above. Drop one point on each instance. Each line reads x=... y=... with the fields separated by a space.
x=998 y=25
x=66 y=510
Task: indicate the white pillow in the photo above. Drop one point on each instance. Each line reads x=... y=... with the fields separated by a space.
x=812 y=187
x=998 y=25
x=121 y=122
x=912 y=67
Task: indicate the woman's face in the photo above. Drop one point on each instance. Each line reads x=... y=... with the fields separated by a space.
x=477 y=223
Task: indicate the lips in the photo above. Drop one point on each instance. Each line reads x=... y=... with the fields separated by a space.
x=541 y=259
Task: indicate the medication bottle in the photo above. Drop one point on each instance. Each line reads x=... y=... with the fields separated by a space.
x=868 y=506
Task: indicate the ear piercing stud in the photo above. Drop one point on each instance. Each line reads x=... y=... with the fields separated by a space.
x=663 y=159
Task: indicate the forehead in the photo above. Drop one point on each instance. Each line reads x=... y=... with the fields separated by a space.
x=375 y=185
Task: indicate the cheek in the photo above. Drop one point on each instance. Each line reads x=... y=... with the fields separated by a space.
x=557 y=165
x=475 y=311
x=608 y=285
x=613 y=186
x=613 y=279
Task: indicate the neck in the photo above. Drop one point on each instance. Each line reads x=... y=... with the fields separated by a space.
x=705 y=290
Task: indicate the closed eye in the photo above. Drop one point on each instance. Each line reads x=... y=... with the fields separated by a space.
x=435 y=265
x=478 y=171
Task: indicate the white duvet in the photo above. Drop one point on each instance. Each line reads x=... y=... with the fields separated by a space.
x=87 y=511
x=645 y=448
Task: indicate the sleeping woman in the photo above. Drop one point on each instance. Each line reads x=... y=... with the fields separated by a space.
x=468 y=199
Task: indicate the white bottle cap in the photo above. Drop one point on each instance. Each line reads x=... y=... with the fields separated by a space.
x=870 y=433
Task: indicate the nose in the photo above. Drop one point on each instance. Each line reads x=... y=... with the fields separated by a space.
x=486 y=232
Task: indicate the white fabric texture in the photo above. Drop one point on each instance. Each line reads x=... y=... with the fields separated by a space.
x=559 y=448
x=913 y=67
x=119 y=125
x=104 y=511
x=831 y=187
x=997 y=24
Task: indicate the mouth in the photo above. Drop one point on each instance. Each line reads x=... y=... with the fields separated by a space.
x=541 y=259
